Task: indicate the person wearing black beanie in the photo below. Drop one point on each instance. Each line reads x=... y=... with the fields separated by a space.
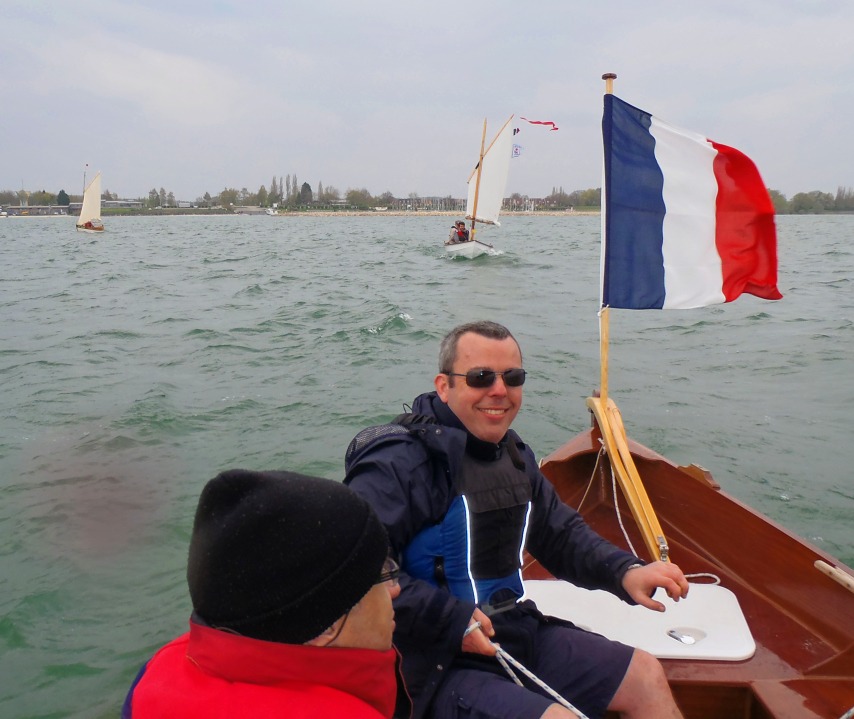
x=291 y=585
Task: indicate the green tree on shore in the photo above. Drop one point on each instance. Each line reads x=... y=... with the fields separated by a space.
x=360 y=199
x=305 y=194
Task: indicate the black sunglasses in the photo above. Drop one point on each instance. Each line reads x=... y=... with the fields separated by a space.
x=482 y=378
x=390 y=572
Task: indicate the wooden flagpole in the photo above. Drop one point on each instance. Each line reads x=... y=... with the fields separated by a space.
x=604 y=312
x=610 y=423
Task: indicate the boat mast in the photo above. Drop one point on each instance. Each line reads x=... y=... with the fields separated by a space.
x=477 y=181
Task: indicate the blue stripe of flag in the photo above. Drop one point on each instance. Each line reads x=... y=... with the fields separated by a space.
x=633 y=273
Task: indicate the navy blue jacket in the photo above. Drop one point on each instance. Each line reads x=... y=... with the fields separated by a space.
x=406 y=475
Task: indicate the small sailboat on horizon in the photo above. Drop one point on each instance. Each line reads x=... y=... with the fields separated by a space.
x=90 y=212
x=486 y=186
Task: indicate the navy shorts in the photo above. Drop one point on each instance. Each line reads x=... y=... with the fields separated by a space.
x=585 y=668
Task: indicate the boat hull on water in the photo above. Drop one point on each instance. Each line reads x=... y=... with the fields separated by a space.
x=91 y=226
x=469 y=250
x=801 y=619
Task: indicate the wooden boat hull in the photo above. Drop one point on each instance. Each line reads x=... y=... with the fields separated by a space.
x=802 y=620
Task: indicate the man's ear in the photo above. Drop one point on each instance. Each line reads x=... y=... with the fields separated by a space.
x=441 y=382
x=327 y=635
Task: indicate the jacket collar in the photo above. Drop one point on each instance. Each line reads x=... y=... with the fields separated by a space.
x=367 y=674
x=430 y=403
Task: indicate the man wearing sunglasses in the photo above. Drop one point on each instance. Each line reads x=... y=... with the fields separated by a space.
x=292 y=591
x=461 y=497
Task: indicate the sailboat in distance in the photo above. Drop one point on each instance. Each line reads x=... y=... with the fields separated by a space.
x=486 y=186
x=90 y=213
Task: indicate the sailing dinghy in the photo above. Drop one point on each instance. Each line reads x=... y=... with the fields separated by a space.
x=486 y=186
x=767 y=629
x=90 y=212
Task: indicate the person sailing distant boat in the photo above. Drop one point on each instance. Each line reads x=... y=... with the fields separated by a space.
x=458 y=233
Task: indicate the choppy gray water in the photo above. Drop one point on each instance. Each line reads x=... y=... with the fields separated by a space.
x=136 y=365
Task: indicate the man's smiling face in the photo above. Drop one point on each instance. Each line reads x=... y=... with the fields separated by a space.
x=487 y=413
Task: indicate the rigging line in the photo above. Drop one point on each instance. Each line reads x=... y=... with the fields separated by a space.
x=503 y=662
x=715 y=577
x=617 y=512
x=592 y=474
x=539 y=682
x=704 y=574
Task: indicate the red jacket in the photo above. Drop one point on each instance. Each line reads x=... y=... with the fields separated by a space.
x=210 y=673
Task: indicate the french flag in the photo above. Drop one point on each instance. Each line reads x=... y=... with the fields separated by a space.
x=687 y=222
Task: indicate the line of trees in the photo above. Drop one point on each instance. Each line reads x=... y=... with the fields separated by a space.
x=288 y=193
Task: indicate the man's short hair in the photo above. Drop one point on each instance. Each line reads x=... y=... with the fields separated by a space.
x=484 y=328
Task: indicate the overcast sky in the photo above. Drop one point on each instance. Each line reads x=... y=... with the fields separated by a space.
x=391 y=96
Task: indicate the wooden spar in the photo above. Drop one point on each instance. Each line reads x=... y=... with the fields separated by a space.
x=492 y=142
x=836 y=574
x=604 y=329
x=613 y=432
x=477 y=181
x=604 y=312
x=484 y=150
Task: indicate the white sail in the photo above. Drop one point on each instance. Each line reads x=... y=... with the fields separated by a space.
x=91 y=210
x=493 y=177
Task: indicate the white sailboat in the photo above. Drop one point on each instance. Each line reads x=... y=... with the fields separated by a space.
x=486 y=186
x=90 y=213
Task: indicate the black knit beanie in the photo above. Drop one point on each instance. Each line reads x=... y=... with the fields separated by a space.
x=280 y=556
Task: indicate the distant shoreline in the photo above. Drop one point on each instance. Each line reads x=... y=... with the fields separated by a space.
x=198 y=212
x=425 y=213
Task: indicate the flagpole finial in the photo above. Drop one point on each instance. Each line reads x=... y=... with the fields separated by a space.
x=609 y=78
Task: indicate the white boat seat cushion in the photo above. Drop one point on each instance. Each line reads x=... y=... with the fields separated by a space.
x=710 y=616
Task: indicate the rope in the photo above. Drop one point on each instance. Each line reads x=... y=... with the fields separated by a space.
x=503 y=662
x=504 y=658
x=592 y=476
x=716 y=579
x=708 y=575
x=849 y=714
x=617 y=512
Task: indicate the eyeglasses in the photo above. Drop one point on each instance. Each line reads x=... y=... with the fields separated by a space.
x=483 y=378
x=389 y=573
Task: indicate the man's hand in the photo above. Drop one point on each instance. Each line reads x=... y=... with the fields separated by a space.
x=476 y=639
x=640 y=583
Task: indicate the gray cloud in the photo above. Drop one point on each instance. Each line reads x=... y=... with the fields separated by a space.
x=196 y=96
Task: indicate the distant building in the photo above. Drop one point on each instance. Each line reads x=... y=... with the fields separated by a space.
x=74 y=207
x=24 y=210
